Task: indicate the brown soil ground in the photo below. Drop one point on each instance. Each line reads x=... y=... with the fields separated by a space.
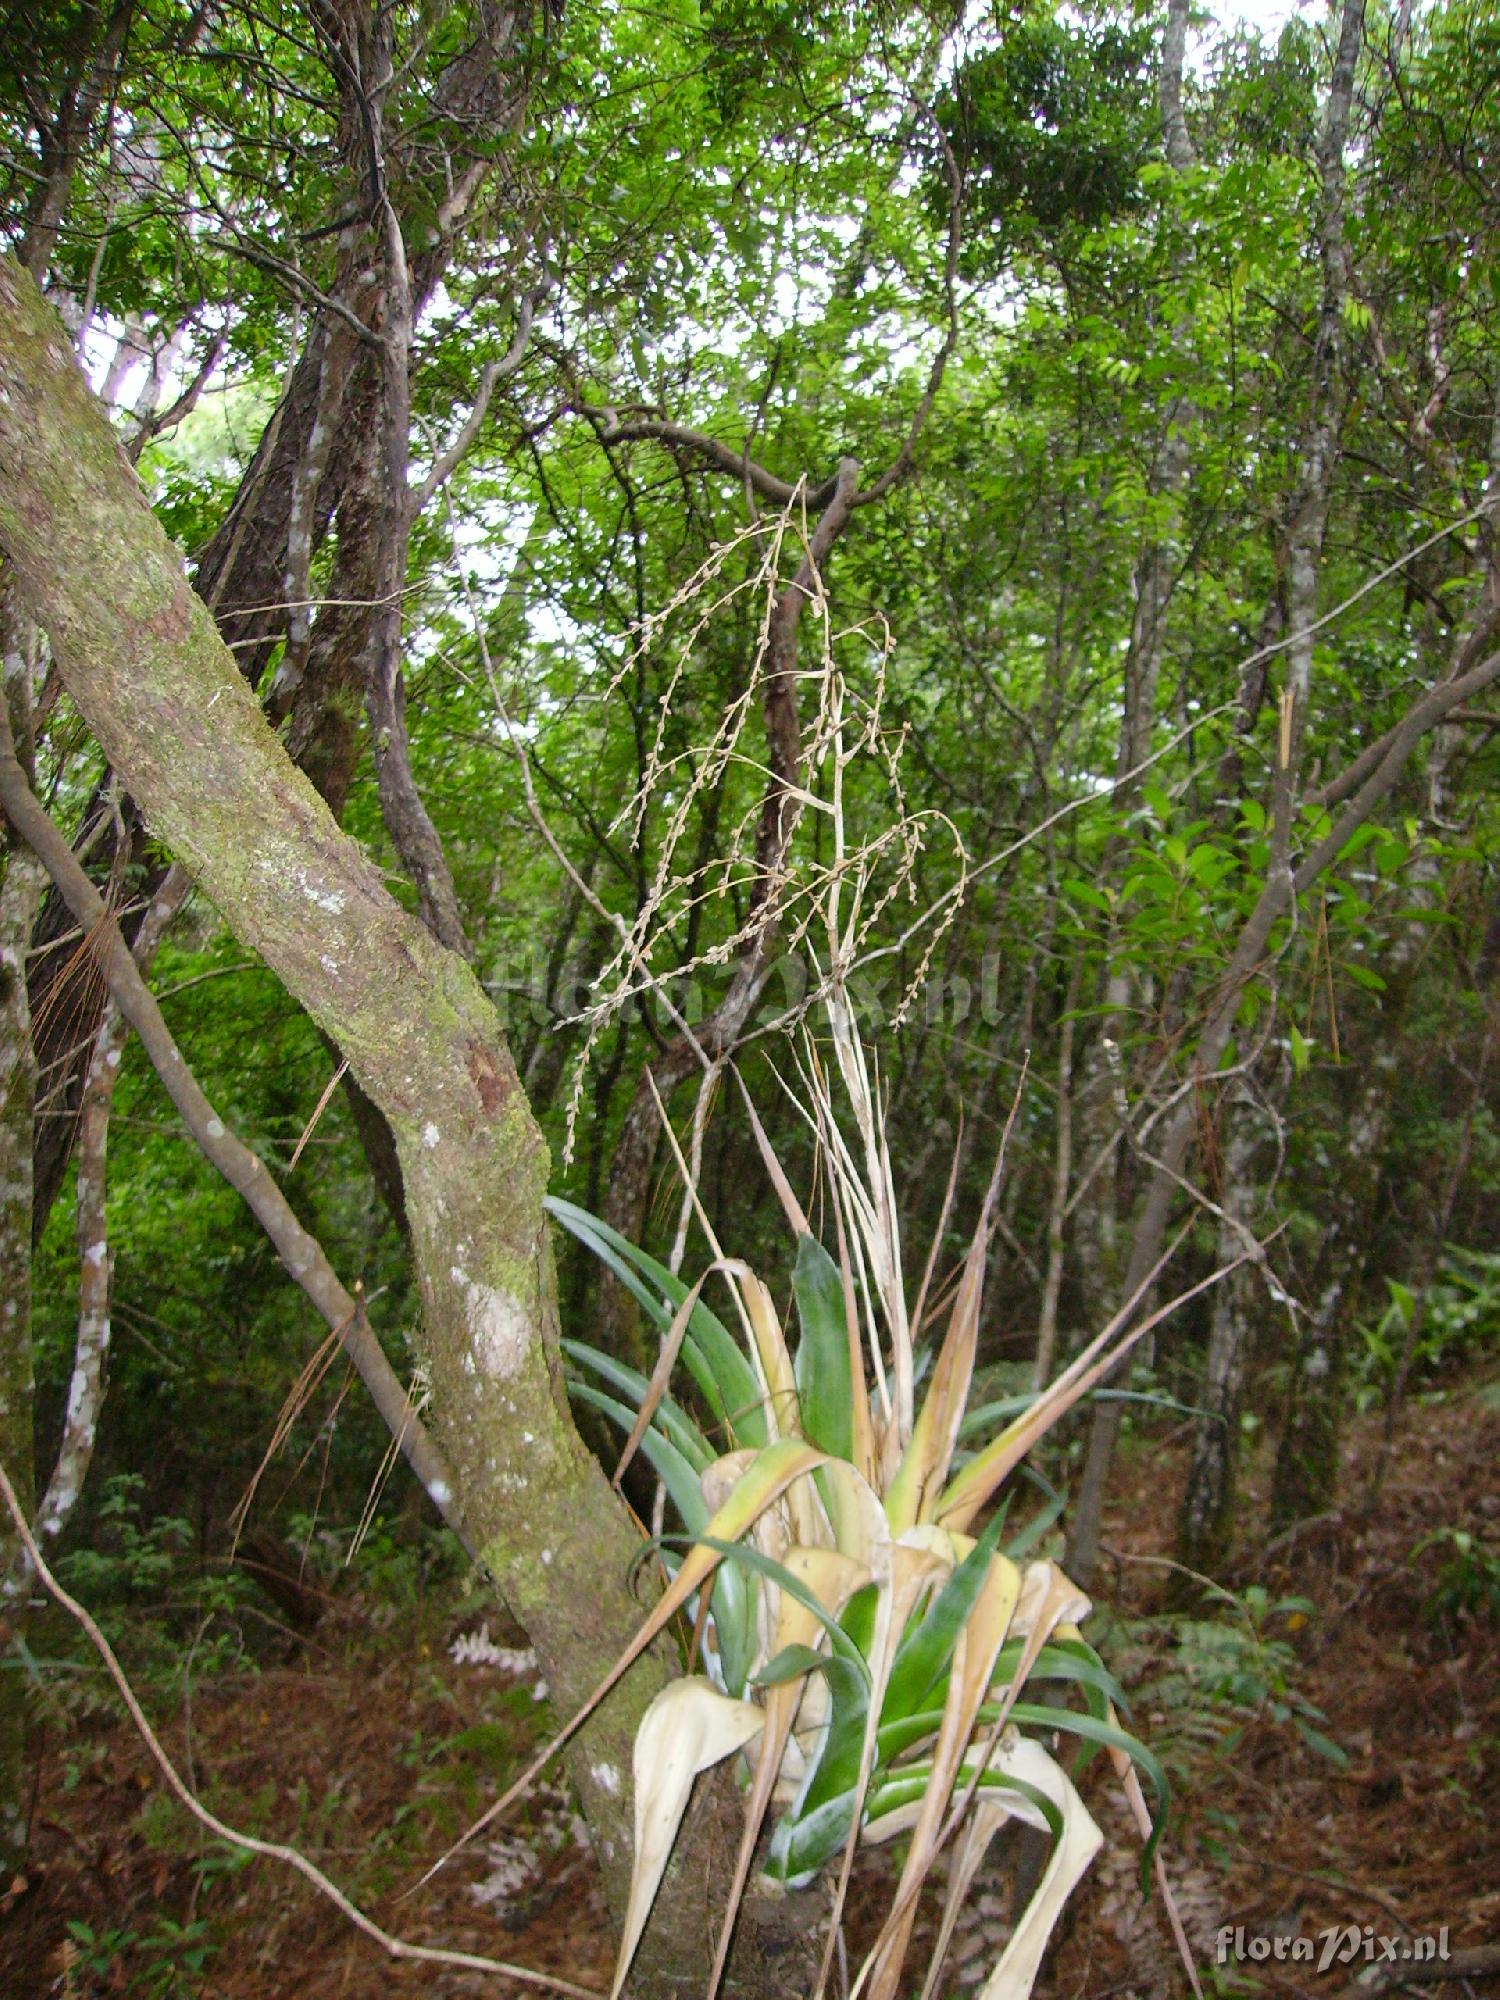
x=371 y=1750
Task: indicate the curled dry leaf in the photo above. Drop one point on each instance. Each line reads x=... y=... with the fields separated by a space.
x=689 y=1727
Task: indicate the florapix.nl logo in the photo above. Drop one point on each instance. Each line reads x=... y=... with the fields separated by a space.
x=1337 y=1944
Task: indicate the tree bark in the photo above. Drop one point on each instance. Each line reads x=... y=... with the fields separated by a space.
x=141 y=657
x=20 y=894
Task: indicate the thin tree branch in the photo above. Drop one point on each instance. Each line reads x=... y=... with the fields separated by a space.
x=491 y=373
x=299 y=1251
x=163 y=420
x=722 y=457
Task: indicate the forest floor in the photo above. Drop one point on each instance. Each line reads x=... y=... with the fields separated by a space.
x=369 y=1745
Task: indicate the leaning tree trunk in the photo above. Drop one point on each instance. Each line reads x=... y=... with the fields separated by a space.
x=305 y=476
x=141 y=657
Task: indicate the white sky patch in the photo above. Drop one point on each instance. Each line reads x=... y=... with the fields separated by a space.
x=1270 y=16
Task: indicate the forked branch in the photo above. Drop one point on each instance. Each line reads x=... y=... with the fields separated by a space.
x=299 y=1251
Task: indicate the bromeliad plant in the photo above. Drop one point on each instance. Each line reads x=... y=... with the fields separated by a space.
x=865 y=1640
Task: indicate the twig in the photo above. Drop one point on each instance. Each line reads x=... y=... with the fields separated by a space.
x=163 y=420
x=318 y=1109
x=269 y=1850
x=1371 y=1896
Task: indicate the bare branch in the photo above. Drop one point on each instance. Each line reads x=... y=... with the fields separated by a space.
x=163 y=420
x=248 y=1843
x=722 y=457
x=491 y=373
x=299 y=1251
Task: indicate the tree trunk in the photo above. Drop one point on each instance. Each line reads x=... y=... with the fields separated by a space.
x=1309 y=514
x=1206 y=1526
x=141 y=657
x=312 y=458
x=20 y=894
x=1306 y=1480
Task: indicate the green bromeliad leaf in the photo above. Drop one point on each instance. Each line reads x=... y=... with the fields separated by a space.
x=632 y=1386
x=907 y=1787
x=674 y=1469
x=790 y=1664
x=709 y=1350
x=816 y=1825
x=927 y=1648
x=731 y=1598
x=825 y=1388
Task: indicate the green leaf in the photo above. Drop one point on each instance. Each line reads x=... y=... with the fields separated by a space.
x=825 y=1389
x=985 y=1414
x=790 y=1664
x=1093 y=1730
x=709 y=1350
x=741 y=1553
x=1025 y=1540
x=1358 y=841
x=1324 y=1745
x=1363 y=976
x=926 y=1650
x=731 y=1599
x=858 y=1619
x=816 y=1825
x=905 y=1787
x=675 y=1471
x=1086 y=893
x=679 y=1427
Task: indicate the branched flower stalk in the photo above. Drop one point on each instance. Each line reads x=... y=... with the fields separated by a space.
x=846 y=722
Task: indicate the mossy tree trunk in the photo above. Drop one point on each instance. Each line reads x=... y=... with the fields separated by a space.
x=140 y=655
